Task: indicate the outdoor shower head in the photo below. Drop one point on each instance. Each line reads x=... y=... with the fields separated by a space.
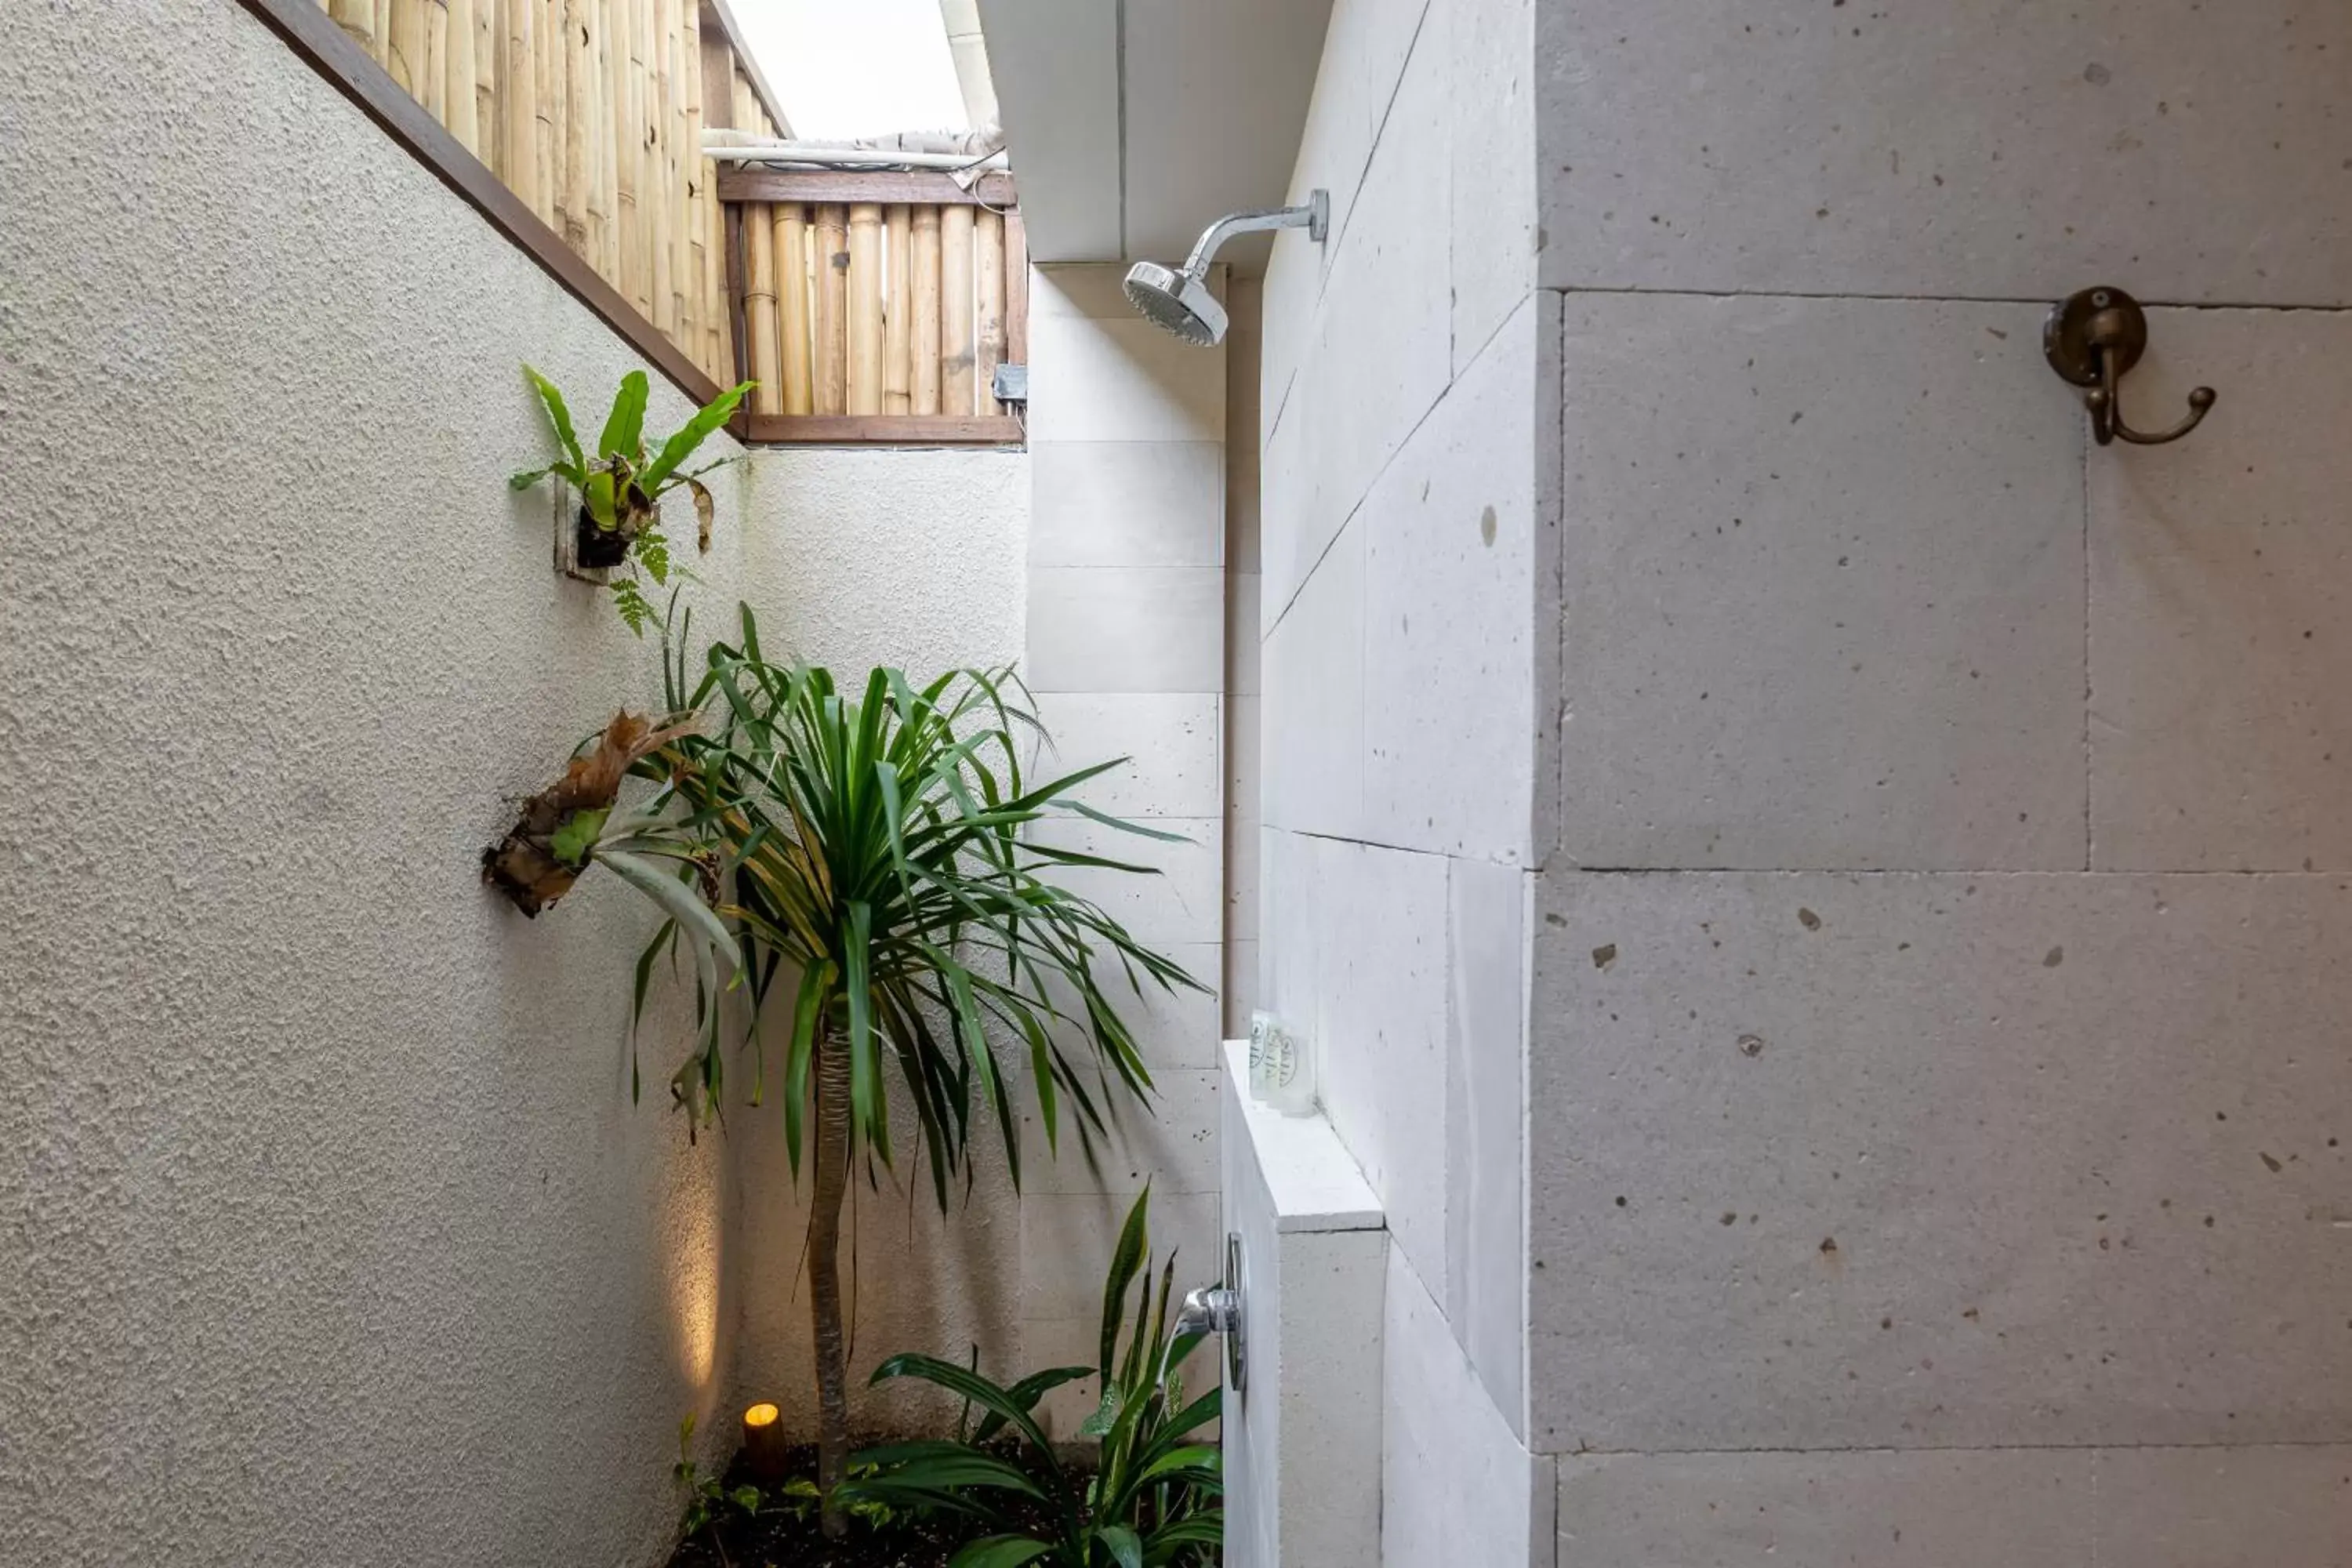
x=1178 y=301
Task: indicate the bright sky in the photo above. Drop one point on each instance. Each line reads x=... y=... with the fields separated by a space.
x=855 y=68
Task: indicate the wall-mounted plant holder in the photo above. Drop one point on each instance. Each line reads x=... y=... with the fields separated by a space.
x=582 y=549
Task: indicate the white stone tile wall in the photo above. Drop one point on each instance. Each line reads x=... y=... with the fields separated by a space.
x=1806 y=567
x=1127 y=652
x=1979 y=149
x=1982 y=1206
x=1401 y=523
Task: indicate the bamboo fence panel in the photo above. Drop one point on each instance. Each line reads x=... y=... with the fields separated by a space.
x=1016 y=288
x=898 y=327
x=549 y=120
x=459 y=107
x=487 y=41
x=924 y=372
x=794 y=301
x=831 y=367
x=661 y=167
x=681 y=166
x=628 y=161
x=687 y=71
x=363 y=20
x=718 y=321
x=578 y=218
x=433 y=71
x=591 y=112
x=865 y=328
x=957 y=351
x=519 y=115
x=716 y=83
x=875 y=317
x=760 y=308
x=404 y=49
x=988 y=323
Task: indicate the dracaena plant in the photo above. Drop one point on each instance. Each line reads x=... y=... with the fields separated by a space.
x=877 y=837
x=1154 y=1498
x=621 y=488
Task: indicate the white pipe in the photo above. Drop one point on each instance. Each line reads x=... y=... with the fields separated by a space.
x=849 y=157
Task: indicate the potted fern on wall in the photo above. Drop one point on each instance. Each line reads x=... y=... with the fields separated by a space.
x=618 y=525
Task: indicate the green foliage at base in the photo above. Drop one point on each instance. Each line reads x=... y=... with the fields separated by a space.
x=1155 y=1499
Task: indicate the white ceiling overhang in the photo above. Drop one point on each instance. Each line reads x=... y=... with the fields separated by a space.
x=1134 y=124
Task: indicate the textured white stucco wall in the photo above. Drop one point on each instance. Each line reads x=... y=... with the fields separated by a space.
x=328 y=1230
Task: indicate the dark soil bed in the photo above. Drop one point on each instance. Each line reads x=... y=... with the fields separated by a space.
x=775 y=1538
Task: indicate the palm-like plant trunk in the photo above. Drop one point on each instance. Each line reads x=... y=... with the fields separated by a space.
x=825 y=1270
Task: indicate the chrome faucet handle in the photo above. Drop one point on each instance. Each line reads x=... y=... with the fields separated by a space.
x=1217 y=1309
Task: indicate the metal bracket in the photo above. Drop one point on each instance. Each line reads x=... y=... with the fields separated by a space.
x=2091 y=339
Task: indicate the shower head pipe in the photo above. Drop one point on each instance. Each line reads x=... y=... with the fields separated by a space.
x=1313 y=214
x=1182 y=302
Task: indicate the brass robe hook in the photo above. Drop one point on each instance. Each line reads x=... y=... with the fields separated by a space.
x=2090 y=339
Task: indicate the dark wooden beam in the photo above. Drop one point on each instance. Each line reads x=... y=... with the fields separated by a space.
x=884 y=430
x=743 y=183
x=333 y=54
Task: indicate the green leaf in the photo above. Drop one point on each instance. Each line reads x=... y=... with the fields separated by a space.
x=630 y=600
x=999 y=1552
x=938 y=1465
x=571 y=842
x=1126 y=1261
x=1203 y=1457
x=559 y=416
x=523 y=481
x=973 y=1386
x=1125 y=1549
x=652 y=551
x=625 y=427
x=1027 y=1392
x=677 y=901
x=597 y=495
x=808 y=1014
x=1107 y=1412
x=692 y=433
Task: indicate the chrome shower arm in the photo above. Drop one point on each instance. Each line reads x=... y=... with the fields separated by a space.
x=1182 y=302
x=1314 y=215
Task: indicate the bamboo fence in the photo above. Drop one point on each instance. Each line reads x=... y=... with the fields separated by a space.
x=592 y=111
x=866 y=311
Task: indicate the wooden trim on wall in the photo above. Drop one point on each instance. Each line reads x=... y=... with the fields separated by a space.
x=314 y=36
x=884 y=430
x=920 y=187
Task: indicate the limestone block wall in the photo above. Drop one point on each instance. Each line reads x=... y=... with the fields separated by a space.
x=1125 y=653
x=1938 y=1100
x=1404 y=510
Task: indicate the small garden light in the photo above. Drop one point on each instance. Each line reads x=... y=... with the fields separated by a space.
x=763 y=1441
